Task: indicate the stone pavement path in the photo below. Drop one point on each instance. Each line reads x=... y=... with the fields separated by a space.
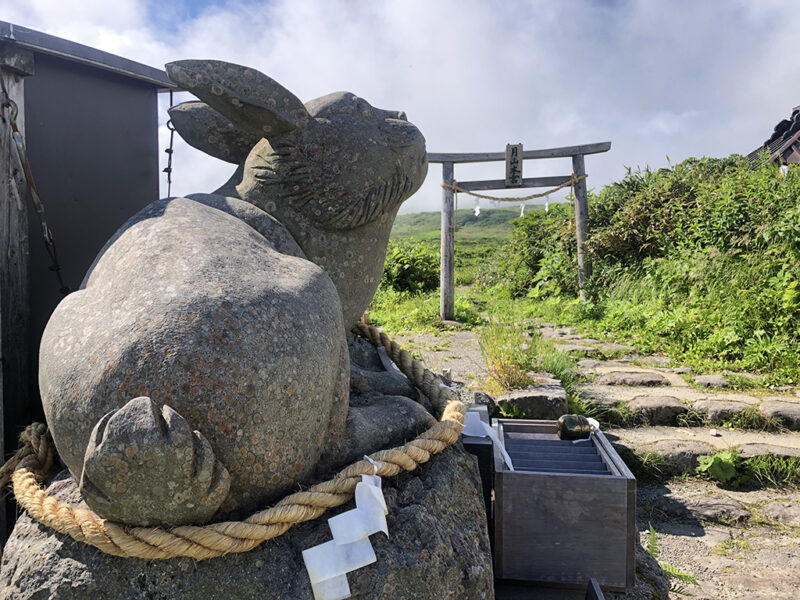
x=657 y=392
x=738 y=544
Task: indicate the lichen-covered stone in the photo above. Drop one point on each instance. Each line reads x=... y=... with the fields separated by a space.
x=375 y=422
x=196 y=309
x=438 y=548
x=145 y=466
x=235 y=318
x=544 y=401
x=658 y=410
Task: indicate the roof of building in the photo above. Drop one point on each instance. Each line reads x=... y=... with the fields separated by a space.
x=37 y=41
x=785 y=135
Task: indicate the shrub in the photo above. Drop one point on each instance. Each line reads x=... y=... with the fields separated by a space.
x=411 y=267
x=699 y=260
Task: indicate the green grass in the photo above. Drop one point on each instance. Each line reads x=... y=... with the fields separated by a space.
x=491 y=223
x=751 y=419
x=508 y=353
x=771 y=470
x=404 y=312
x=698 y=261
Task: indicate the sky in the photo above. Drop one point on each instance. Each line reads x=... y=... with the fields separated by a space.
x=663 y=81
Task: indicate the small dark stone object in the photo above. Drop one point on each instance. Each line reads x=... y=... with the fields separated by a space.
x=145 y=466
x=574 y=427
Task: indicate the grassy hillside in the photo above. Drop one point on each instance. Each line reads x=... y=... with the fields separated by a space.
x=476 y=238
x=699 y=260
x=491 y=223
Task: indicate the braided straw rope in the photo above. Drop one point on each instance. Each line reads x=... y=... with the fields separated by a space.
x=34 y=460
x=459 y=190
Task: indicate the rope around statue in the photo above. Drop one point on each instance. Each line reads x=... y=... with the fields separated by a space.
x=569 y=183
x=34 y=460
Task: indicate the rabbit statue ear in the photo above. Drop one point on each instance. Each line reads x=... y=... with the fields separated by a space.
x=207 y=130
x=251 y=100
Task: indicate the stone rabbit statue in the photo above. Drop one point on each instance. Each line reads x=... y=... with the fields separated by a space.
x=203 y=363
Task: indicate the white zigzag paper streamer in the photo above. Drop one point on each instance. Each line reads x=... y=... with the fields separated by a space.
x=350 y=548
x=475 y=427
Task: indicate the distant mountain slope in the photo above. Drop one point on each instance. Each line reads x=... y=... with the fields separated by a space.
x=492 y=222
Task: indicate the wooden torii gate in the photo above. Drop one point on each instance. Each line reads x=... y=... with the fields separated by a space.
x=447 y=271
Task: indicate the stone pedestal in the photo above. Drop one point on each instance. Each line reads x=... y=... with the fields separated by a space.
x=438 y=548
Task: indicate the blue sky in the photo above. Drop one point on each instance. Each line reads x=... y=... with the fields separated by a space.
x=680 y=78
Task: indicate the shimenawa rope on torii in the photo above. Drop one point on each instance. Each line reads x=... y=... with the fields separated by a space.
x=459 y=190
x=35 y=458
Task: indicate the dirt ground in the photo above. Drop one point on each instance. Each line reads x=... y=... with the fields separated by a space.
x=732 y=542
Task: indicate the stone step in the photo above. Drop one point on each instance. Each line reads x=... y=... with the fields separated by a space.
x=676 y=450
x=624 y=394
x=685 y=406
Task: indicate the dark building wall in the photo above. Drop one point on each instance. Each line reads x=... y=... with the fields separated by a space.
x=92 y=141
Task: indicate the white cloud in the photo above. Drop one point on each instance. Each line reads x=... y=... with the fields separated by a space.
x=682 y=78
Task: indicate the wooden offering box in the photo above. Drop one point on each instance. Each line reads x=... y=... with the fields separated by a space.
x=567 y=511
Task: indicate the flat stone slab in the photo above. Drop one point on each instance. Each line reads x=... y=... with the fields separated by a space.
x=547 y=401
x=719 y=411
x=787 y=513
x=633 y=379
x=719 y=508
x=658 y=359
x=759 y=449
x=576 y=348
x=681 y=446
x=681 y=370
x=787 y=412
x=658 y=410
x=682 y=455
x=613 y=347
x=717 y=381
x=716 y=507
x=555 y=332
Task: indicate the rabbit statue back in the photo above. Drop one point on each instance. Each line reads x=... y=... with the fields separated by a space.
x=228 y=311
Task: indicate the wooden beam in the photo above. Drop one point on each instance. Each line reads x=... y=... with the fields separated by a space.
x=581 y=223
x=14 y=301
x=561 y=152
x=36 y=41
x=447 y=261
x=499 y=184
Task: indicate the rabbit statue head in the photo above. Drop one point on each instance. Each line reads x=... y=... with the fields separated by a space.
x=334 y=171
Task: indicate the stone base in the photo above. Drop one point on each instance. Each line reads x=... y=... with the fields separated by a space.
x=438 y=548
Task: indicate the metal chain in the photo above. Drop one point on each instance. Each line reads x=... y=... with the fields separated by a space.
x=169 y=151
x=49 y=241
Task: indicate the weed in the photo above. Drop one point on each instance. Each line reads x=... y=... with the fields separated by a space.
x=731 y=545
x=752 y=419
x=507 y=352
x=645 y=465
x=406 y=312
x=691 y=418
x=697 y=260
x=671 y=571
x=779 y=471
x=411 y=267
x=510 y=411
x=722 y=466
